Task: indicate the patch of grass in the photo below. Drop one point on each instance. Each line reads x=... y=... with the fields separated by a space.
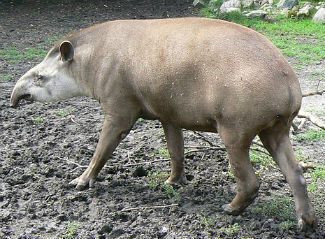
x=300 y=156
x=312 y=135
x=261 y=159
x=279 y=207
x=286 y=225
x=231 y=230
x=62 y=113
x=163 y=152
x=7 y=77
x=301 y=39
x=157 y=179
x=72 y=231
x=208 y=222
x=318 y=175
x=317 y=112
x=170 y=191
x=53 y=39
x=34 y=53
x=38 y=120
x=14 y=55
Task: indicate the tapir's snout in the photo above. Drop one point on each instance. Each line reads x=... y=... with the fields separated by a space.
x=19 y=93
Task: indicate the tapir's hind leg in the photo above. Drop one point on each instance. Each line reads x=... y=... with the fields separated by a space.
x=276 y=141
x=113 y=131
x=175 y=144
x=237 y=145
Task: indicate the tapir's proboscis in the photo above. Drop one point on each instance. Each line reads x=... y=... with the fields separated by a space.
x=188 y=73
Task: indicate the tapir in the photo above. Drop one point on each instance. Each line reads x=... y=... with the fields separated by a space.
x=188 y=73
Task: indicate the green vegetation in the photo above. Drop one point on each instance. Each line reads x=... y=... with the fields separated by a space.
x=231 y=230
x=312 y=135
x=300 y=156
x=208 y=222
x=286 y=225
x=279 y=207
x=53 y=39
x=163 y=152
x=158 y=179
x=62 y=113
x=300 y=39
x=71 y=231
x=7 y=77
x=38 y=120
x=317 y=175
x=14 y=55
x=260 y=158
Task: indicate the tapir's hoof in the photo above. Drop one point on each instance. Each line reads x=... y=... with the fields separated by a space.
x=172 y=181
x=231 y=211
x=307 y=224
x=82 y=184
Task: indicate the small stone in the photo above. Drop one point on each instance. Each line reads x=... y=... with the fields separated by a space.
x=198 y=2
x=247 y=3
x=287 y=4
x=256 y=13
x=305 y=11
x=230 y=6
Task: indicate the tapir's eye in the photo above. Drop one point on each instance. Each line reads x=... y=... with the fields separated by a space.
x=40 y=80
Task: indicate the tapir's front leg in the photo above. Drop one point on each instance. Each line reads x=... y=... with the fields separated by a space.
x=113 y=132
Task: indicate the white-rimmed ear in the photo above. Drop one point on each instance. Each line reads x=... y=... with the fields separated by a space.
x=67 y=51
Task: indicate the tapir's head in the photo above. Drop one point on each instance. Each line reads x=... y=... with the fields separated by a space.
x=53 y=79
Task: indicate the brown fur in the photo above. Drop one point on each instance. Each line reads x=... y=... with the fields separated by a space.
x=197 y=74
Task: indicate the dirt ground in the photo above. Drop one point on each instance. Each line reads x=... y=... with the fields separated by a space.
x=44 y=146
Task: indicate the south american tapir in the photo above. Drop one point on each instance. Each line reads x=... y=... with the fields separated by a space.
x=188 y=73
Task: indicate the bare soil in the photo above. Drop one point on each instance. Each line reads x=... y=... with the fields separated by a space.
x=44 y=146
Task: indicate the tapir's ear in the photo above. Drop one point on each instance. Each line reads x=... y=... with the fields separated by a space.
x=67 y=51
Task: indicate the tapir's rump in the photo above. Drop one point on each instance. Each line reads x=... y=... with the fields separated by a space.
x=192 y=73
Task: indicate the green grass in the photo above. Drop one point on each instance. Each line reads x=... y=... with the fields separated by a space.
x=318 y=176
x=300 y=39
x=260 y=158
x=231 y=230
x=312 y=135
x=208 y=222
x=157 y=179
x=62 y=113
x=14 y=55
x=38 y=120
x=72 y=231
x=7 y=77
x=279 y=206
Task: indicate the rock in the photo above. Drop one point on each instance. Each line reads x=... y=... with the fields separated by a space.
x=306 y=10
x=290 y=13
x=267 y=8
x=256 y=13
x=320 y=16
x=287 y=4
x=231 y=9
x=230 y=6
x=247 y=3
x=198 y=2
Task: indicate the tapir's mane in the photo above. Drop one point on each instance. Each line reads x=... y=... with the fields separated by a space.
x=74 y=38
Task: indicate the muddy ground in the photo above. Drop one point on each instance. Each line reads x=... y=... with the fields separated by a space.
x=44 y=146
